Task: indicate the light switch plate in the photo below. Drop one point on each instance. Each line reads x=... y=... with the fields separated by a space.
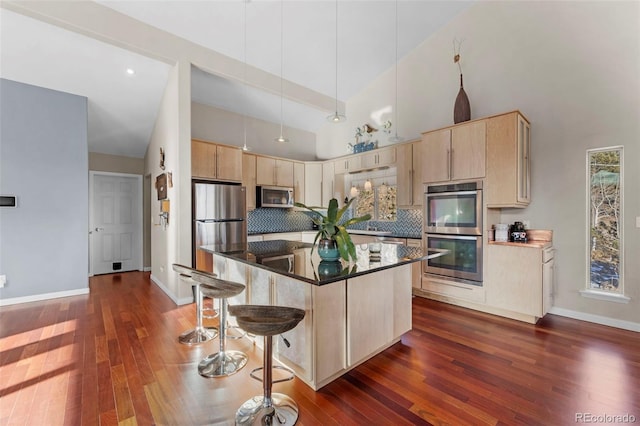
x=3 y=280
x=637 y=221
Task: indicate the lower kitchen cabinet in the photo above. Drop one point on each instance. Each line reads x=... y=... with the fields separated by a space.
x=520 y=279
x=377 y=312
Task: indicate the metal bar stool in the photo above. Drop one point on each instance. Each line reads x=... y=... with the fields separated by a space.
x=224 y=362
x=269 y=408
x=199 y=334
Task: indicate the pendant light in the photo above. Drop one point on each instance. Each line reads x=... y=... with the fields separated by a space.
x=281 y=138
x=336 y=118
x=244 y=78
x=395 y=137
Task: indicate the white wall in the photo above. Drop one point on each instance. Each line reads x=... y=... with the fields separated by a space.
x=171 y=132
x=217 y=125
x=44 y=162
x=572 y=68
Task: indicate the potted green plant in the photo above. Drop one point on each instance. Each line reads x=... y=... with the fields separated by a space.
x=332 y=238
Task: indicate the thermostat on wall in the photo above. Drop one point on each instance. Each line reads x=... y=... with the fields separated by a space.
x=8 y=201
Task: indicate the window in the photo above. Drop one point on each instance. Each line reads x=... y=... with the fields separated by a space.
x=379 y=202
x=604 y=199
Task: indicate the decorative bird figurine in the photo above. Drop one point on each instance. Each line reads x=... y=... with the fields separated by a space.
x=368 y=129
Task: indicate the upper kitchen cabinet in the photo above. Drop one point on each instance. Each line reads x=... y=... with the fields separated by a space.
x=409 y=169
x=347 y=164
x=313 y=183
x=328 y=182
x=379 y=158
x=454 y=153
x=508 y=175
x=249 y=179
x=213 y=161
x=298 y=182
x=274 y=172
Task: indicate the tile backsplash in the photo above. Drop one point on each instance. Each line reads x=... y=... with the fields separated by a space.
x=263 y=221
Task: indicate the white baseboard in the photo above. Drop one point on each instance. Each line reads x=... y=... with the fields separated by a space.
x=182 y=301
x=146 y=269
x=45 y=296
x=598 y=319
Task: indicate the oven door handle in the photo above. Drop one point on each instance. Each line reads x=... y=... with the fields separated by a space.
x=434 y=194
x=455 y=237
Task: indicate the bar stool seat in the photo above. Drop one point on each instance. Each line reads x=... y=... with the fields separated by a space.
x=200 y=333
x=268 y=321
x=224 y=362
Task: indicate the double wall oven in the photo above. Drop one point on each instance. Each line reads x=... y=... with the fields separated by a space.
x=453 y=225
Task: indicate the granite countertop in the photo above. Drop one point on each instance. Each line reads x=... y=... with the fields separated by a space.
x=357 y=232
x=277 y=255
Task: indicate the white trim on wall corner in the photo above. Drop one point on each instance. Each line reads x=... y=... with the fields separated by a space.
x=179 y=302
x=45 y=296
x=598 y=319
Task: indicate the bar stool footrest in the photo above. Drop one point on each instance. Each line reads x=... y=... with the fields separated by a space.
x=279 y=367
x=210 y=313
x=235 y=328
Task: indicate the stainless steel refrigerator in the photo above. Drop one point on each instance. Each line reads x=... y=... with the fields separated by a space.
x=219 y=221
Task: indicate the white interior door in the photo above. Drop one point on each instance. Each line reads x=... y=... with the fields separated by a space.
x=116 y=223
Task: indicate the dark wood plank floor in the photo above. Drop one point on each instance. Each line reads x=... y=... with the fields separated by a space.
x=112 y=358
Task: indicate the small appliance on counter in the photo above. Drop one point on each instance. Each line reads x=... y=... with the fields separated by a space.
x=517 y=233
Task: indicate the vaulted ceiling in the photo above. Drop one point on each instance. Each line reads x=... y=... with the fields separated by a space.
x=292 y=39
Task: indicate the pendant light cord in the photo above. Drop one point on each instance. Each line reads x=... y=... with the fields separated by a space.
x=244 y=75
x=396 y=138
x=336 y=58
x=281 y=63
x=336 y=117
x=396 y=110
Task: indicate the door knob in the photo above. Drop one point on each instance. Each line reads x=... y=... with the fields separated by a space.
x=99 y=229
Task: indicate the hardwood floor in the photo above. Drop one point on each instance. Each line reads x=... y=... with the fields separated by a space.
x=112 y=357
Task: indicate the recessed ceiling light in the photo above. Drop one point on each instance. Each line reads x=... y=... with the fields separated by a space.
x=131 y=71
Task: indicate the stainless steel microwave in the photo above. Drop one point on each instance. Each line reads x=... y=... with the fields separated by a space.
x=274 y=196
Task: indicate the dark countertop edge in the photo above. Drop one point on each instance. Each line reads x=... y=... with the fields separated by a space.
x=318 y=282
x=392 y=235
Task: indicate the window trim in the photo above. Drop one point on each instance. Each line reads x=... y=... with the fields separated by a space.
x=618 y=296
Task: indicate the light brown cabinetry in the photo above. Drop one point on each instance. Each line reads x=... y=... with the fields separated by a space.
x=454 y=153
x=213 y=161
x=508 y=147
x=328 y=182
x=312 y=184
x=379 y=158
x=249 y=179
x=377 y=311
x=519 y=279
x=274 y=171
x=409 y=172
x=347 y=164
x=298 y=182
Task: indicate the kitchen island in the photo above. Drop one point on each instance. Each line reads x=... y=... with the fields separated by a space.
x=354 y=310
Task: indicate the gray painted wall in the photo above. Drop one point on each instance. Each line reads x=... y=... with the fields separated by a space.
x=44 y=162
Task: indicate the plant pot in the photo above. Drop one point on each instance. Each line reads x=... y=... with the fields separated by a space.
x=328 y=250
